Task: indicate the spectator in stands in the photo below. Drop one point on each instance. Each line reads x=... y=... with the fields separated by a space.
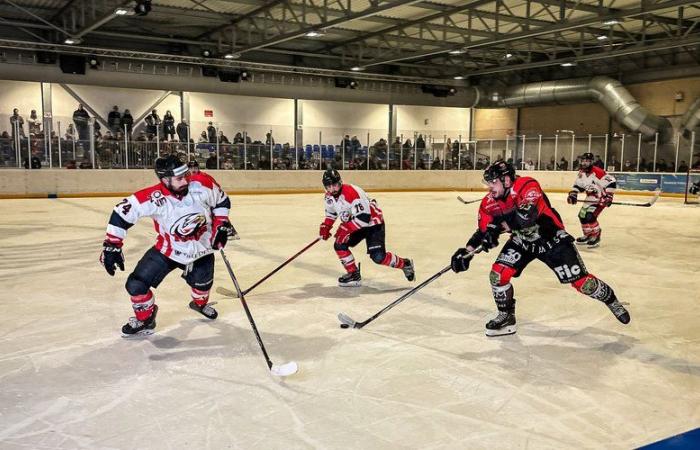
x=551 y=165
x=96 y=127
x=682 y=167
x=407 y=146
x=420 y=142
x=345 y=143
x=599 y=162
x=182 y=130
x=80 y=118
x=238 y=138
x=661 y=166
x=194 y=166
x=168 y=126
x=16 y=123
x=203 y=138
x=36 y=162
x=529 y=165
x=628 y=167
x=396 y=152
x=152 y=123
x=70 y=133
x=481 y=164
x=269 y=140
x=563 y=164
x=34 y=124
x=436 y=165
x=228 y=164
x=355 y=145
x=211 y=161
x=379 y=149
x=114 y=119
x=127 y=122
x=211 y=133
x=222 y=138
x=614 y=163
x=447 y=147
x=455 y=153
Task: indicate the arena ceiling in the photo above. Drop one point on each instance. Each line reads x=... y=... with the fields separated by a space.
x=480 y=41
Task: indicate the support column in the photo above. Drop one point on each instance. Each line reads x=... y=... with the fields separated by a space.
x=47 y=115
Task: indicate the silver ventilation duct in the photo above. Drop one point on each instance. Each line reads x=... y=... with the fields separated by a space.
x=691 y=119
x=606 y=91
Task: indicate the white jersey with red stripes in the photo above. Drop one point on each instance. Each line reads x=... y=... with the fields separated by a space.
x=353 y=205
x=184 y=225
x=595 y=182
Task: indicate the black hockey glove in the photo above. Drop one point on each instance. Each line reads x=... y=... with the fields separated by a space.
x=572 y=198
x=459 y=263
x=490 y=237
x=112 y=257
x=694 y=189
x=223 y=231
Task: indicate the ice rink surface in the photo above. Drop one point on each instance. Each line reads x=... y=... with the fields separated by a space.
x=421 y=376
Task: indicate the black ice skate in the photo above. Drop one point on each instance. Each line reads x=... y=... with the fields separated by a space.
x=206 y=310
x=136 y=328
x=503 y=324
x=408 y=269
x=350 y=279
x=620 y=312
x=583 y=240
x=594 y=241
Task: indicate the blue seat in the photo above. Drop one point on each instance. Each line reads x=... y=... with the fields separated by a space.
x=309 y=149
x=317 y=149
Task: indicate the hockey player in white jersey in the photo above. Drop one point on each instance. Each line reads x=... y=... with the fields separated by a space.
x=360 y=219
x=190 y=215
x=599 y=187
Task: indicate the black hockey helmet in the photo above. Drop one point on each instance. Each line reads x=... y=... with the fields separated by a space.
x=498 y=170
x=587 y=155
x=170 y=166
x=193 y=163
x=331 y=176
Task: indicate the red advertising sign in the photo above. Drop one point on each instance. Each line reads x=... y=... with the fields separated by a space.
x=208 y=113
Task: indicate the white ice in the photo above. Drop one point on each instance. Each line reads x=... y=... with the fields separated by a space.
x=421 y=376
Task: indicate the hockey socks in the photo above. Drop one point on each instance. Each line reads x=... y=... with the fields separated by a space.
x=143 y=305
x=347 y=260
x=599 y=290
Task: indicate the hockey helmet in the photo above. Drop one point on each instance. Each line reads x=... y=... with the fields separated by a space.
x=170 y=166
x=331 y=176
x=498 y=170
x=588 y=156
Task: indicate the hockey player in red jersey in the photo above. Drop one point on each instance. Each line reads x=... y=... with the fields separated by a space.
x=190 y=215
x=517 y=205
x=599 y=187
x=360 y=219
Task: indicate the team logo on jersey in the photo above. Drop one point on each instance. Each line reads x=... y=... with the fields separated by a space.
x=189 y=227
x=345 y=216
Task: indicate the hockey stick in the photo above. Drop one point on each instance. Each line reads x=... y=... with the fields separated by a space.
x=643 y=205
x=465 y=201
x=283 y=370
x=346 y=320
x=311 y=244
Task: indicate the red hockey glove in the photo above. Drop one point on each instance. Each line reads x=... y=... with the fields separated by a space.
x=344 y=231
x=112 y=256
x=606 y=200
x=222 y=230
x=325 y=231
x=572 y=198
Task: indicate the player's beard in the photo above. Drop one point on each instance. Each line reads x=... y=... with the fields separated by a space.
x=180 y=193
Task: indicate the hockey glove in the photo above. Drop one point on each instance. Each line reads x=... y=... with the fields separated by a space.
x=606 y=200
x=694 y=189
x=344 y=231
x=325 y=231
x=572 y=198
x=459 y=263
x=112 y=257
x=223 y=231
x=490 y=238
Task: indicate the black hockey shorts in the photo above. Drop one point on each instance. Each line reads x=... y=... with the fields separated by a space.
x=562 y=257
x=154 y=267
x=374 y=235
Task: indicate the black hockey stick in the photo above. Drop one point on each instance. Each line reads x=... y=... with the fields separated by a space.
x=466 y=202
x=346 y=320
x=643 y=205
x=311 y=244
x=283 y=370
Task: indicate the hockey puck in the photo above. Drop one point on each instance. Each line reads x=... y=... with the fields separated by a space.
x=344 y=325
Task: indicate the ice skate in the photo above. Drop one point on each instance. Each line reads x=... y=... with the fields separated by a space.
x=409 y=270
x=583 y=240
x=619 y=311
x=501 y=325
x=594 y=242
x=138 y=328
x=206 y=310
x=350 y=279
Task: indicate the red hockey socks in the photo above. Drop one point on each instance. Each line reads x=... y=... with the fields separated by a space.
x=143 y=305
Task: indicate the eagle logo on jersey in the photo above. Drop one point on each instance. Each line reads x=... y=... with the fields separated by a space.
x=189 y=227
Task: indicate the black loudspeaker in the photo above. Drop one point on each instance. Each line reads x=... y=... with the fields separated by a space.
x=230 y=76
x=208 y=71
x=72 y=64
x=46 y=57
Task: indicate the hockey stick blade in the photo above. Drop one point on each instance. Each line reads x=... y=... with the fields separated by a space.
x=346 y=320
x=226 y=292
x=465 y=201
x=284 y=370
